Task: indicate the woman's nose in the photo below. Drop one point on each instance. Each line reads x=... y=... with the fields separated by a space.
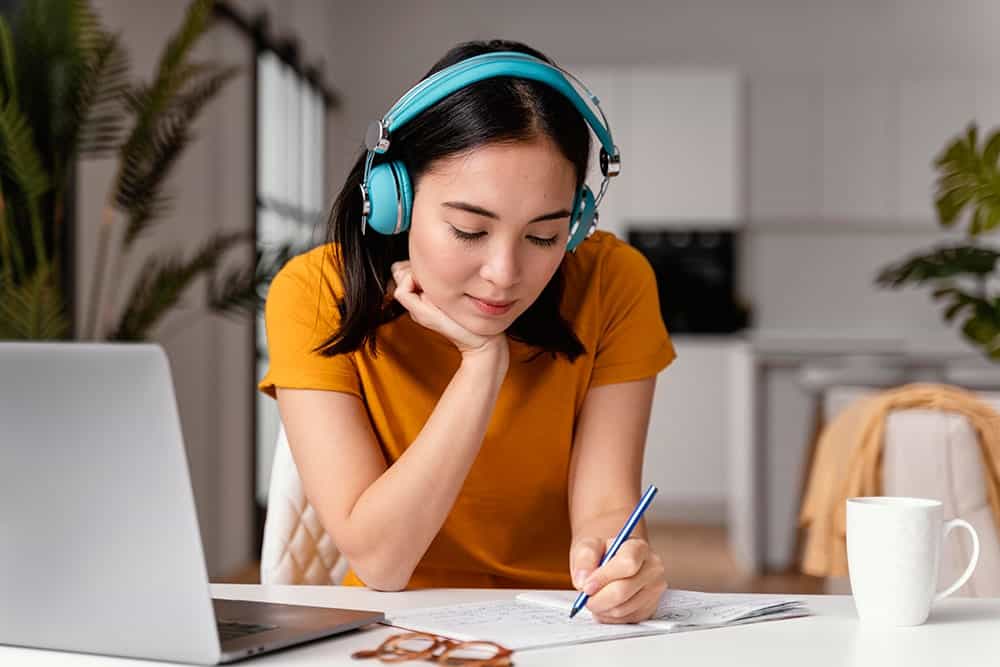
x=503 y=266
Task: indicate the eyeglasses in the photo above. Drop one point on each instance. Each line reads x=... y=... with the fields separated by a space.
x=434 y=648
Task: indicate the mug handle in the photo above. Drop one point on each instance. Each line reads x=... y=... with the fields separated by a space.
x=948 y=526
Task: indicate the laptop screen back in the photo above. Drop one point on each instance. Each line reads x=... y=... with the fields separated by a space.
x=100 y=550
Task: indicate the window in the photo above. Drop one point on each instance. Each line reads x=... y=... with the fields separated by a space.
x=290 y=202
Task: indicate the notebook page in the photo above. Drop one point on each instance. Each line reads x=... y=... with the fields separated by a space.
x=513 y=623
x=679 y=608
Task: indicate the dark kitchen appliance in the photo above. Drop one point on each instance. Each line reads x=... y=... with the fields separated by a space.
x=696 y=274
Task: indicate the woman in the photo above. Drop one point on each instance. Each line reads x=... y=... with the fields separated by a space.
x=465 y=400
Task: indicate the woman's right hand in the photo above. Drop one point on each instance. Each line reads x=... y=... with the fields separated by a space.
x=408 y=293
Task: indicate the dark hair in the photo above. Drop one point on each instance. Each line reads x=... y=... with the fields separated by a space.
x=499 y=109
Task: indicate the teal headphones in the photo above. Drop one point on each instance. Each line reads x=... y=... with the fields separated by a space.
x=386 y=192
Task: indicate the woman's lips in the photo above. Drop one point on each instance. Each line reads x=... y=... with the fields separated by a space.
x=491 y=307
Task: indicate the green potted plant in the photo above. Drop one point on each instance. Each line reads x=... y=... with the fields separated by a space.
x=66 y=95
x=962 y=275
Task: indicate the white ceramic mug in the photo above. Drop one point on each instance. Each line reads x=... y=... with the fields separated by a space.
x=893 y=552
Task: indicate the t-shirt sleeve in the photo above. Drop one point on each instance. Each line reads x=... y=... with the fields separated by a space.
x=633 y=343
x=299 y=314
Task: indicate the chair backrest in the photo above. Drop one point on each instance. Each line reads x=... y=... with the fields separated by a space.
x=932 y=454
x=296 y=548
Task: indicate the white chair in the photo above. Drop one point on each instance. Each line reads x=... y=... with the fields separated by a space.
x=296 y=548
x=934 y=454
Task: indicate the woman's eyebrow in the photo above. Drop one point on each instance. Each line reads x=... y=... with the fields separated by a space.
x=479 y=210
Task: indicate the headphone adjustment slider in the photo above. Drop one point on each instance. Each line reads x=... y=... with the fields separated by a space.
x=377 y=137
x=366 y=207
x=611 y=165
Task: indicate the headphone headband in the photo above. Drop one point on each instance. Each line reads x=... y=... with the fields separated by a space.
x=445 y=82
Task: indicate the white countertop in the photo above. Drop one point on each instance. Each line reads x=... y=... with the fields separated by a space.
x=915 y=348
x=811 y=343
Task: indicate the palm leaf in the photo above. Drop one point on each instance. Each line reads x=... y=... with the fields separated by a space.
x=11 y=256
x=22 y=165
x=33 y=309
x=171 y=75
x=145 y=169
x=72 y=54
x=164 y=281
x=161 y=128
x=50 y=38
x=239 y=290
x=7 y=65
x=99 y=101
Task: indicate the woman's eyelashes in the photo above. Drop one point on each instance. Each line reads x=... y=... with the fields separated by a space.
x=544 y=242
x=468 y=237
x=471 y=237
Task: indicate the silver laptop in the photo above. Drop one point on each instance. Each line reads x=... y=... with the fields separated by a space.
x=99 y=544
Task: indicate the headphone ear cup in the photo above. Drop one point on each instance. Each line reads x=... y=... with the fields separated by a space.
x=383 y=198
x=405 y=194
x=581 y=219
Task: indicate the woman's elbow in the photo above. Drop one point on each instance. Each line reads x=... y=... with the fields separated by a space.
x=389 y=588
x=380 y=578
x=379 y=571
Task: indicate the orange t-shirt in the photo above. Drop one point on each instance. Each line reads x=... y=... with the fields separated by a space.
x=510 y=525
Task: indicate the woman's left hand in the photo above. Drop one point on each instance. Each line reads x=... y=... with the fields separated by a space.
x=627 y=588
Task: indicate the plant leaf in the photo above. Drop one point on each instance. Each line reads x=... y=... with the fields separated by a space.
x=171 y=74
x=968 y=178
x=11 y=253
x=992 y=149
x=240 y=290
x=7 y=54
x=33 y=309
x=163 y=282
x=21 y=163
x=954 y=309
x=950 y=203
x=100 y=97
x=942 y=263
x=146 y=168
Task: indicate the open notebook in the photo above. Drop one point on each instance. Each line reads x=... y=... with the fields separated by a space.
x=541 y=618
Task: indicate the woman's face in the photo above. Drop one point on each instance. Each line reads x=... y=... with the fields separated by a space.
x=489 y=229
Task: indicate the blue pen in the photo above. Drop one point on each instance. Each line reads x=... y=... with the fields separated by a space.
x=623 y=534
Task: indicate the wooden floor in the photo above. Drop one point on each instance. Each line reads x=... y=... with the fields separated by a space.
x=697 y=558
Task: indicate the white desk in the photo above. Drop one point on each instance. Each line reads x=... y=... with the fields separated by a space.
x=959 y=632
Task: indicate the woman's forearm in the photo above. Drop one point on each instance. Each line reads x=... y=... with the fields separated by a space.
x=394 y=521
x=608 y=524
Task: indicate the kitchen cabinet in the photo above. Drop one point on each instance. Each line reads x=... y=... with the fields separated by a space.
x=837 y=151
x=681 y=138
x=785 y=138
x=696 y=410
x=684 y=128
x=822 y=151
